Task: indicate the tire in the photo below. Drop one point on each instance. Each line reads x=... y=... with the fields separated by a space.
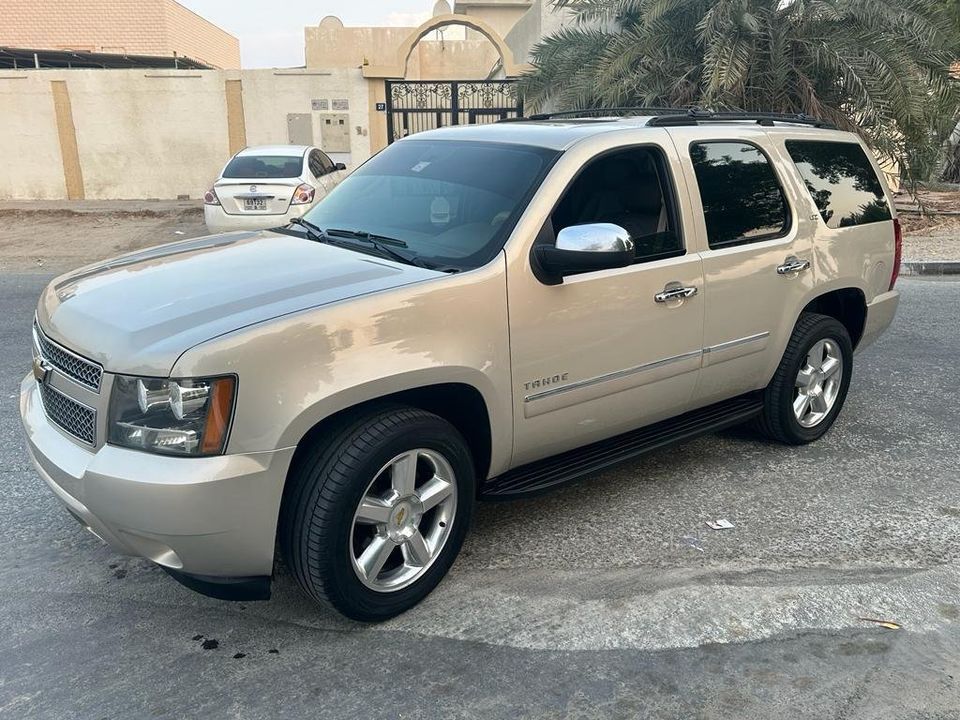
x=779 y=419
x=327 y=539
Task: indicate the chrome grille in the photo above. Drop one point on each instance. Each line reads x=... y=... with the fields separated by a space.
x=76 y=418
x=83 y=371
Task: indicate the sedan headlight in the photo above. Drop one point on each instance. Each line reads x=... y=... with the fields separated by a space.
x=172 y=417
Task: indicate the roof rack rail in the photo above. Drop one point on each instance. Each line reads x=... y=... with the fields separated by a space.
x=599 y=112
x=696 y=116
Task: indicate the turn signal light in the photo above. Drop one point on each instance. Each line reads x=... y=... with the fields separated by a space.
x=303 y=194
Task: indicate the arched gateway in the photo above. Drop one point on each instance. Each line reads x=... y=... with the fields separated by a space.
x=416 y=105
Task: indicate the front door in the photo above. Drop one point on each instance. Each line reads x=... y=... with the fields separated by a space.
x=598 y=354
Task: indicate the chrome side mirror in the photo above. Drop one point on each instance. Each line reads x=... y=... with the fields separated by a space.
x=595 y=238
x=580 y=249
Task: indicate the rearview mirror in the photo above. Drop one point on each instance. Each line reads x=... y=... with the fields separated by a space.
x=580 y=249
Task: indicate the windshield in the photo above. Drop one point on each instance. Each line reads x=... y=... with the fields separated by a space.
x=264 y=166
x=452 y=203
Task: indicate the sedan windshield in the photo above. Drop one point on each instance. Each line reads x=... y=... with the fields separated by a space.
x=451 y=203
x=264 y=166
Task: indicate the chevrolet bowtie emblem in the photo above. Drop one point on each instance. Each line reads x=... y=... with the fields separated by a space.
x=41 y=369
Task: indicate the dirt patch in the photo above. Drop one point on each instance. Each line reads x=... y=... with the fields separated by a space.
x=931 y=201
x=930 y=224
x=54 y=238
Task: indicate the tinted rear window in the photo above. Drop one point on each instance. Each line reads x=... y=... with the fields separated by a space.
x=841 y=181
x=741 y=195
x=264 y=166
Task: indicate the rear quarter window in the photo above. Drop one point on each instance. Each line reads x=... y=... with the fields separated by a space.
x=841 y=181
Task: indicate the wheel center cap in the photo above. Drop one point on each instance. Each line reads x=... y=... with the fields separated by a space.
x=404 y=519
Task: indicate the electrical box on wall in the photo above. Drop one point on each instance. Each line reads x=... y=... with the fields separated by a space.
x=300 y=128
x=334 y=132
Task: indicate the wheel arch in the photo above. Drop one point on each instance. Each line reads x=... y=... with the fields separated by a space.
x=459 y=403
x=848 y=305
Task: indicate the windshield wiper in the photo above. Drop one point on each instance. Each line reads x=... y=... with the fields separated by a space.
x=378 y=243
x=314 y=232
x=365 y=235
x=382 y=244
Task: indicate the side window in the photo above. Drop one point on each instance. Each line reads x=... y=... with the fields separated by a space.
x=841 y=181
x=742 y=198
x=316 y=167
x=632 y=189
x=325 y=162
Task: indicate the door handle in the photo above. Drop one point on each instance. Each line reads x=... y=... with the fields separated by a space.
x=674 y=293
x=792 y=266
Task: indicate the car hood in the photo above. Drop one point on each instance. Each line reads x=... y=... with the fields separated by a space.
x=138 y=313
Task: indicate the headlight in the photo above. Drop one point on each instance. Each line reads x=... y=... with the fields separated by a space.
x=173 y=417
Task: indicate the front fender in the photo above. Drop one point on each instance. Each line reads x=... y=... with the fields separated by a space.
x=296 y=370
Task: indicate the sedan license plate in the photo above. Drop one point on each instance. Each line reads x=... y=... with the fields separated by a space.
x=254 y=203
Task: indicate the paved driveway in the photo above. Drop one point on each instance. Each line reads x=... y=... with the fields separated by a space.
x=610 y=598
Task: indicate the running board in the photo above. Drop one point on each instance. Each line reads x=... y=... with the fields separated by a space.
x=544 y=475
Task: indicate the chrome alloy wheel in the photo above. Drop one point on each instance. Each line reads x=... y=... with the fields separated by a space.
x=818 y=383
x=403 y=520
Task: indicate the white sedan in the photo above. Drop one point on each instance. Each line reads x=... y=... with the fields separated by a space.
x=267 y=186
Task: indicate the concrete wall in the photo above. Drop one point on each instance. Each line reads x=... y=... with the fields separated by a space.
x=501 y=15
x=269 y=95
x=145 y=27
x=331 y=45
x=154 y=134
x=29 y=148
x=157 y=133
x=116 y=134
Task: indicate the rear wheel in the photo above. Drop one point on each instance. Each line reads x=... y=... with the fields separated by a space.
x=374 y=516
x=810 y=386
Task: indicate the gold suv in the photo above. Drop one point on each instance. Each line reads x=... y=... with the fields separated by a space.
x=477 y=312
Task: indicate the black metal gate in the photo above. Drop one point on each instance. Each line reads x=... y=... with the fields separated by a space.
x=417 y=105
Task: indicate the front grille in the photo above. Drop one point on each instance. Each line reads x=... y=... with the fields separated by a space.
x=84 y=371
x=76 y=418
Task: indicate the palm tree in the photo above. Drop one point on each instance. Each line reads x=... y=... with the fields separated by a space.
x=879 y=67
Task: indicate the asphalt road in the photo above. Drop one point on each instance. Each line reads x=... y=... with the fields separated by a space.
x=610 y=598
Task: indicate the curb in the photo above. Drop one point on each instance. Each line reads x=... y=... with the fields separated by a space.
x=930 y=267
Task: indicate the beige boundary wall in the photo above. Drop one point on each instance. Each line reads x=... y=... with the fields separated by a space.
x=137 y=134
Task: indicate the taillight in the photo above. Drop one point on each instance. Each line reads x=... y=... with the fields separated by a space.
x=897 y=251
x=303 y=194
x=210 y=198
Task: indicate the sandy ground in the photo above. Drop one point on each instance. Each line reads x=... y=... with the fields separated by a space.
x=48 y=236
x=58 y=236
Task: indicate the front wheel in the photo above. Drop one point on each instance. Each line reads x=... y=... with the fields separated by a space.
x=375 y=516
x=809 y=388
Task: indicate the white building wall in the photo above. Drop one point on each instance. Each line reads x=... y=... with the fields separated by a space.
x=30 y=162
x=148 y=134
x=159 y=133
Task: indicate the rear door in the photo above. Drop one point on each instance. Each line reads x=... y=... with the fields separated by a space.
x=757 y=254
x=259 y=184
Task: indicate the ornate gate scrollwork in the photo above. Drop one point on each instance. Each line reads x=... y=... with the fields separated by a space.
x=417 y=105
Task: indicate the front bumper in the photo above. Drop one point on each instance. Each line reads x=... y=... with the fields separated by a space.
x=218 y=221
x=880 y=314
x=211 y=516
